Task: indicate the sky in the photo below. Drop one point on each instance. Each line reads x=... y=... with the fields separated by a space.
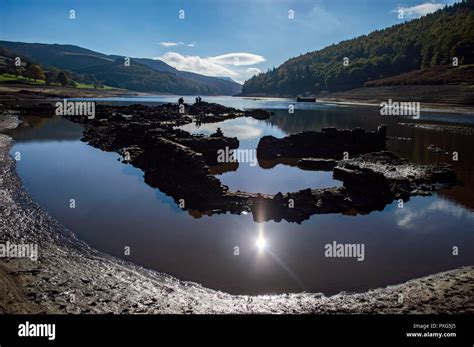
x=226 y=38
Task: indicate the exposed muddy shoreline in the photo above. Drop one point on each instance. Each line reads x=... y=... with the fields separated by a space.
x=456 y=98
x=361 y=97
x=19 y=92
x=71 y=277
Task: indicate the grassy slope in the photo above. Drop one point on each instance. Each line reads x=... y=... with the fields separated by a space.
x=20 y=79
x=144 y=75
x=10 y=78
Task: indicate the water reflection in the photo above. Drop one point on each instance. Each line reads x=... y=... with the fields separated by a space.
x=408 y=142
x=244 y=129
x=261 y=242
x=40 y=129
x=282 y=178
x=116 y=208
x=414 y=149
x=416 y=219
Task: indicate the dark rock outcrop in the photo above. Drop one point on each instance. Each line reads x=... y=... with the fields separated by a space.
x=436 y=149
x=370 y=182
x=178 y=163
x=330 y=143
x=42 y=110
x=258 y=114
x=317 y=164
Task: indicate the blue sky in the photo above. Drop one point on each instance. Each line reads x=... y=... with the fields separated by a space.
x=233 y=38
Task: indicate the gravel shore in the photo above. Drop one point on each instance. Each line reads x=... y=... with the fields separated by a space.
x=71 y=277
x=21 y=92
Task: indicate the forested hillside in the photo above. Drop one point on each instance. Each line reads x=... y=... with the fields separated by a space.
x=144 y=75
x=430 y=41
x=145 y=79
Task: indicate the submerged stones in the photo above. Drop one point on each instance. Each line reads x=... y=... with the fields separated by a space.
x=436 y=149
x=449 y=128
x=183 y=165
x=370 y=182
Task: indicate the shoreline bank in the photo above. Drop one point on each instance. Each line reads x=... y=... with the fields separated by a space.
x=456 y=98
x=71 y=277
x=24 y=93
x=426 y=108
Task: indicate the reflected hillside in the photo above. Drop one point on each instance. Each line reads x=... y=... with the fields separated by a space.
x=338 y=117
x=41 y=129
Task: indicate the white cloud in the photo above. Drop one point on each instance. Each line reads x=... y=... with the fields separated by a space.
x=253 y=71
x=194 y=63
x=245 y=128
x=238 y=59
x=168 y=44
x=226 y=65
x=171 y=44
x=418 y=10
x=414 y=218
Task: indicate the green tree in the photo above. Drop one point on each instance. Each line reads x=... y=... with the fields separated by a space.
x=35 y=72
x=12 y=70
x=51 y=76
x=63 y=79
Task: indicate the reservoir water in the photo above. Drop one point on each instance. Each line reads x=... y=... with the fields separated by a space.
x=116 y=209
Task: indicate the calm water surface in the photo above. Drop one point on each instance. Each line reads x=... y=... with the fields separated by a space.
x=115 y=208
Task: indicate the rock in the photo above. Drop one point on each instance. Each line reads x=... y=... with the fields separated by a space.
x=218 y=133
x=330 y=143
x=178 y=163
x=258 y=114
x=450 y=128
x=42 y=110
x=435 y=149
x=209 y=109
x=317 y=164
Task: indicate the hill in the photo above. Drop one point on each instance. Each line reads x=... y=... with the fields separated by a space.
x=443 y=74
x=142 y=78
x=144 y=75
x=430 y=41
x=226 y=85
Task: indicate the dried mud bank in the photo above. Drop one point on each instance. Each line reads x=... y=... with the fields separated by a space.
x=70 y=277
x=25 y=92
x=456 y=98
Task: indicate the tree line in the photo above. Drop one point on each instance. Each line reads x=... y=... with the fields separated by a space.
x=440 y=38
x=34 y=71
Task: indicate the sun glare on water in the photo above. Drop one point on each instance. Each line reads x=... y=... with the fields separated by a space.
x=261 y=243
